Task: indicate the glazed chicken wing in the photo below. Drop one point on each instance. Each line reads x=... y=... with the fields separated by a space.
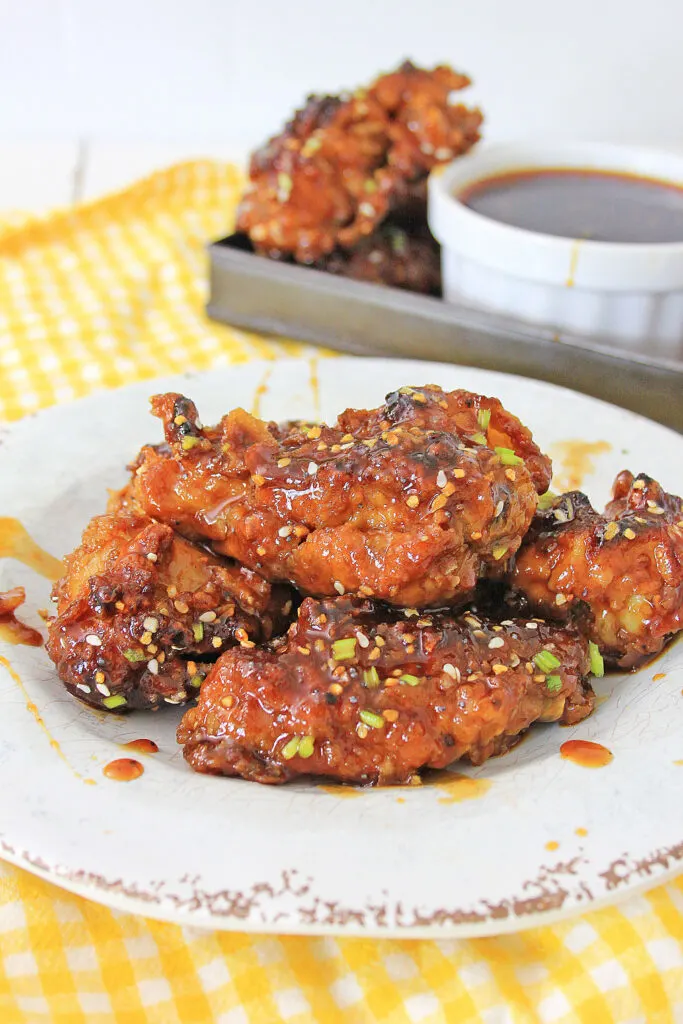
x=138 y=604
x=343 y=163
x=618 y=575
x=410 y=514
x=392 y=257
x=362 y=694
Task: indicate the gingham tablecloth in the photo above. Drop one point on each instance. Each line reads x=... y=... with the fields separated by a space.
x=113 y=292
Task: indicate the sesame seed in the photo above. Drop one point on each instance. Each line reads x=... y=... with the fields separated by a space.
x=314 y=433
x=390 y=714
x=258 y=479
x=539 y=678
x=365 y=590
x=146 y=638
x=629 y=533
x=497 y=641
x=439 y=502
x=153 y=666
x=283 y=462
x=499 y=509
x=506 y=622
x=312 y=468
x=216 y=641
x=560 y=599
x=179 y=420
x=93 y=640
x=499 y=669
x=458 y=473
x=451 y=671
x=514 y=660
x=228 y=701
x=151 y=556
x=181 y=607
x=99 y=677
x=284 y=531
x=119 y=606
x=441 y=479
x=379 y=641
x=510 y=474
x=103 y=689
x=476 y=535
x=531 y=625
x=207 y=616
x=172 y=591
x=339 y=587
x=413 y=501
x=304 y=650
x=260 y=550
x=335 y=688
x=151 y=624
x=374 y=654
x=611 y=530
x=362 y=640
x=83 y=686
x=638 y=485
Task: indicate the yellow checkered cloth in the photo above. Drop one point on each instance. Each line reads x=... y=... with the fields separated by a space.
x=112 y=292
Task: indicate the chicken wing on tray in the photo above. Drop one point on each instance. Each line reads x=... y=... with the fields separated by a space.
x=407 y=503
x=137 y=605
x=343 y=163
x=363 y=694
x=618 y=575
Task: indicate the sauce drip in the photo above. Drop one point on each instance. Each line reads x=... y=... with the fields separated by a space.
x=346 y=792
x=12 y=631
x=16 y=542
x=574 y=460
x=32 y=708
x=457 y=787
x=552 y=844
x=142 y=746
x=568 y=202
x=657 y=676
x=315 y=384
x=586 y=753
x=261 y=390
x=123 y=769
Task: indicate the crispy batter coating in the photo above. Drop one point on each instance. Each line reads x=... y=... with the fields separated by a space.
x=343 y=163
x=463 y=412
x=362 y=694
x=407 y=514
x=391 y=256
x=137 y=604
x=618 y=575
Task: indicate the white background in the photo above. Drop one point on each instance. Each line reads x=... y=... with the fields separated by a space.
x=140 y=83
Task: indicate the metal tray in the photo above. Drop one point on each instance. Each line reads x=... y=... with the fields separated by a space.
x=371 y=320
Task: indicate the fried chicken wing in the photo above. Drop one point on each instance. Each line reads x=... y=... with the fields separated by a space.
x=138 y=604
x=482 y=419
x=393 y=257
x=618 y=575
x=362 y=694
x=401 y=512
x=343 y=163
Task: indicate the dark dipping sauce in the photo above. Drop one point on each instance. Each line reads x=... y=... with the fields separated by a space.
x=599 y=206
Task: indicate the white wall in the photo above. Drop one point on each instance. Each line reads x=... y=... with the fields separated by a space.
x=231 y=70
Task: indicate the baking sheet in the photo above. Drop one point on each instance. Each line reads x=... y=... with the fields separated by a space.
x=265 y=295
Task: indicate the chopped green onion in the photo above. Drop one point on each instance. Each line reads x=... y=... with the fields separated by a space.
x=597 y=662
x=478 y=438
x=499 y=551
x=115 y=701
x=508 y=457
x=484 y=418
x=371 y=719
x=409 y=680
x=546 y=501
x=291 y=748
x=188 y=442
x=369 y=185
x=196 y=681
x=311 y=146
x=546 y=661
x=306 y=745
x=553 y=684
x=198 y=631
x=371 y=678
x=132 y=655
x=284 y=185
x=342 y=650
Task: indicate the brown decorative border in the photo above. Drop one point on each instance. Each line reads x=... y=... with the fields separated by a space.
x=549 y=891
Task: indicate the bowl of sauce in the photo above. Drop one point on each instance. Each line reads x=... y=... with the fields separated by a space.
x=580 y=237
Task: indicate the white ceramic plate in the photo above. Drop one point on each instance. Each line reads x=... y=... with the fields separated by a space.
x=408 y=862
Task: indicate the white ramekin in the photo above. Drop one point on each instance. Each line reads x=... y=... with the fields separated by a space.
x=632 y=293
